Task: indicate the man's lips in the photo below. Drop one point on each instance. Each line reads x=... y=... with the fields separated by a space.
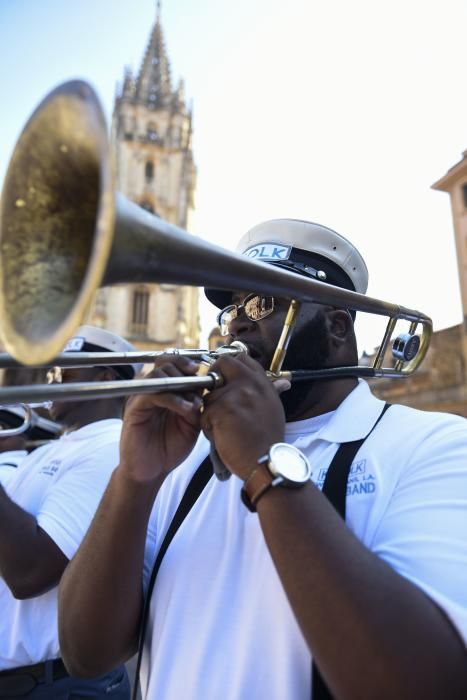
x=253 y=351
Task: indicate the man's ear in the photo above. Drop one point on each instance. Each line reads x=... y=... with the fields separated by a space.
x=340 y=325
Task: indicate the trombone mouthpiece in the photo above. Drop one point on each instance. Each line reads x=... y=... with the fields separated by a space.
x=235 y=345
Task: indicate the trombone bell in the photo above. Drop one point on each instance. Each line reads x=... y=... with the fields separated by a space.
x=56 y=222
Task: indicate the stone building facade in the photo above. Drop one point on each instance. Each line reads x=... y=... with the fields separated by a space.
x=455 y=184
x=441 y=382
x=152 y=141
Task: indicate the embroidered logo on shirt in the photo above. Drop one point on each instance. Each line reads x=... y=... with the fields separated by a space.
x=359 y=481
x=52 y=468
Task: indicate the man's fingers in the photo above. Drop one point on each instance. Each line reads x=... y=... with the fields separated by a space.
x=183 y=364
x=232 y=367
x=177 y=403
x=184 y=404
x=281 y=385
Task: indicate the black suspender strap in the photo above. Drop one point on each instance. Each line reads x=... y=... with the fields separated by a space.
x=335 y=490
x=198 y=481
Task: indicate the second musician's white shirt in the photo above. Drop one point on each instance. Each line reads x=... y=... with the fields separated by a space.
x=61 y=484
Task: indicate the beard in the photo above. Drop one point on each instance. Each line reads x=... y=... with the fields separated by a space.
x=309 y=348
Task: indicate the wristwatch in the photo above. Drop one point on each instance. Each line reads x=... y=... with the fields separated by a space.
x=283 y=465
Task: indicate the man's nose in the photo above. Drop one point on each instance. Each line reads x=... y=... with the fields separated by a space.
x=240 y=324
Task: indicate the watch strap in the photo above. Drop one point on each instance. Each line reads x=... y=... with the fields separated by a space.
x=259 y=481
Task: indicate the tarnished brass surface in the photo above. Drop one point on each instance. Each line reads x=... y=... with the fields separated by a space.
x=56 y=226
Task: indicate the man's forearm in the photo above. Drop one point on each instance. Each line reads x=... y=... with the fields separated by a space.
x=30 y=563
x=351 y=606
x=100 y=597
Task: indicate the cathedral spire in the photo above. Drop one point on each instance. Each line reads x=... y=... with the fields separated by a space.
x=153 y=86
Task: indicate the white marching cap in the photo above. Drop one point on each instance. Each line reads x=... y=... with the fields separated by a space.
x=94 y=339
x=305 y=248
x=308 y=237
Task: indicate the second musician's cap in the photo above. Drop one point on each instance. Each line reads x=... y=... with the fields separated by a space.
x=305 y=248
x=94 y=339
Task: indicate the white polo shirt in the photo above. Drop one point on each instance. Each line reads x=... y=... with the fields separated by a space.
x=220 y=623
x=61 y=484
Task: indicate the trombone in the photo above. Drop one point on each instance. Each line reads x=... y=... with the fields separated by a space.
x=64 y=232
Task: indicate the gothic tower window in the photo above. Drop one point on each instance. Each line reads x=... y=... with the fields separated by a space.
x=464 y=192
x=140 y=311
x=149 y=171
x=151 y=131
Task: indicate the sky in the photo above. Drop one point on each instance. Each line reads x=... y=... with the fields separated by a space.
x=339 y=112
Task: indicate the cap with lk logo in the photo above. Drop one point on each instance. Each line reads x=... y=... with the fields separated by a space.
x=305 y=248
x=269 y=252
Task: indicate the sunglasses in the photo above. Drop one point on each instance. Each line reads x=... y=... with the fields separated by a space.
x=255 y=307
x=60 y=375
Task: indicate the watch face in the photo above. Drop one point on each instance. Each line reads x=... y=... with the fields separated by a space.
x=287 y=461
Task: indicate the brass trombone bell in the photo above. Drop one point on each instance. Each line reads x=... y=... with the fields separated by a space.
x=64 y=232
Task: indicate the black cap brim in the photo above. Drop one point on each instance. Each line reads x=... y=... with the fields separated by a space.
x=298 y=263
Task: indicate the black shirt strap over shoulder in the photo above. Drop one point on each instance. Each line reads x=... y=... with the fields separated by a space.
x=335 y=490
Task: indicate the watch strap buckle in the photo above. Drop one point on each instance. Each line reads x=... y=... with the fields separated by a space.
x=259 y=481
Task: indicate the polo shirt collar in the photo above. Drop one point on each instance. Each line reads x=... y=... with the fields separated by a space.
x=352 y=420
x=92 y=429
x=355 y=416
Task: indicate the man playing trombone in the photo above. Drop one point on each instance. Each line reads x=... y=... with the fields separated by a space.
x=331 y=564
x=45 y=510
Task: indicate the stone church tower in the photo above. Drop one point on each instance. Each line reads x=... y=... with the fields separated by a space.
x=152 y=139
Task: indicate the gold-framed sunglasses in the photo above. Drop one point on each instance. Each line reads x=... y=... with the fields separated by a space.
x=58 y=375
x=255 y=307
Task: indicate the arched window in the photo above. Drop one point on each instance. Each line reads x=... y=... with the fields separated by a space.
x=464 y=192
x=149 y=171
x=151 y=131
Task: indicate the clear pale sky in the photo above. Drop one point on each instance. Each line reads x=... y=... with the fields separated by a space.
x=340 y=112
